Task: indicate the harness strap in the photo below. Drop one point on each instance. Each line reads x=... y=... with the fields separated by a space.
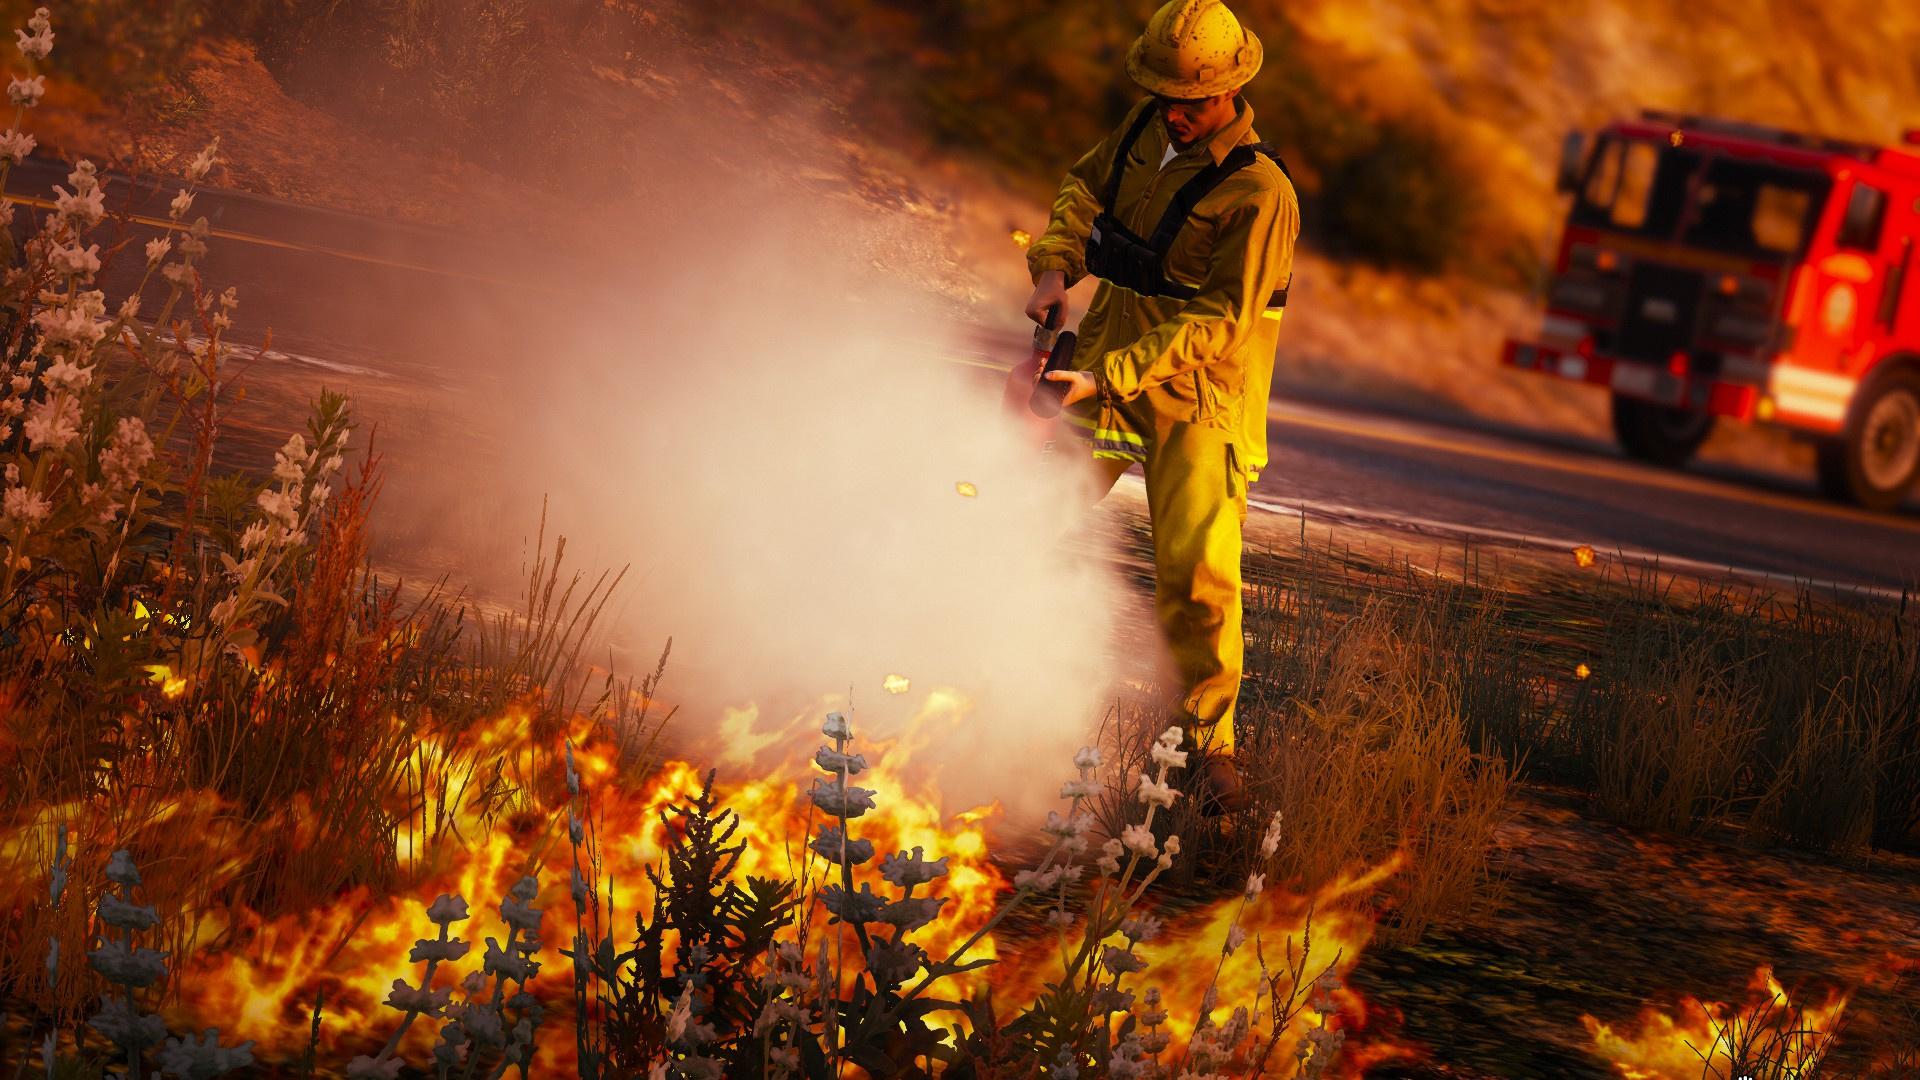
x=1187 y=198
x=1120 y=158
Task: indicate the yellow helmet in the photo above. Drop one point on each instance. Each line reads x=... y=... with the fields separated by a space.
x=1194 y=49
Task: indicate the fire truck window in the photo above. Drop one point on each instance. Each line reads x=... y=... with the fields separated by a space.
x=1780 y=219
x=1604 y=179
x=1636 y=186
x=1637 y=169
x=1746 y=208
x=1866 y=209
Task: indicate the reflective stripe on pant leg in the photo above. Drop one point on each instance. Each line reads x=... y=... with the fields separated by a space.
x=1197 y=501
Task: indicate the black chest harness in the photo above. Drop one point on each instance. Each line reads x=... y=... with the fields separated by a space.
x=1121 y=256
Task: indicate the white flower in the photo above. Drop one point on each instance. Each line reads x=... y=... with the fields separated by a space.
x=836 y=726
x=64 y=375
x=88 y=206
x=24 y=507
x=290 y=461
x=366 y=1068
x=1139 y=840
x=1270 y=843
x=1037 y=881
x=130 y=307
x=128 y=966
x=1076 y=789
x=182 y=203
x=199 y=1060
x=54 y=423
x=1065 y=828
x=447 y=908
x=157 y=249
x=33 y=46
x=1109 y=861
x=197 y=171
x=417 y=999
x=280 y=507
x=906 y=870
x=1170 y=756
x=27 y=92
x=1172 y=737
x=224 y=611
x=125 y=454
x=73 y=325
x=178 y=274
x=1086 y=760
x=1255 y=884
x=1156 y=794
x=1236 y=937
x=15 y=146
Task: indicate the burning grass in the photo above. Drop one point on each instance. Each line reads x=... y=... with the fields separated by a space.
x=236 y=764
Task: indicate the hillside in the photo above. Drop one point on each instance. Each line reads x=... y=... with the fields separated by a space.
x=1423 y=135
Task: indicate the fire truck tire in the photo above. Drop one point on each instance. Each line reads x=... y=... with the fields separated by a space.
x=1658 y=434
x=1875 y=463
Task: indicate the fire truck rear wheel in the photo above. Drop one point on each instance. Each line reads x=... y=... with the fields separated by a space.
x=1658 y=434
x=1876 y=461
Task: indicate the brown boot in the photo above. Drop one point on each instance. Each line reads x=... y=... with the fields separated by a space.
x=1220 y=791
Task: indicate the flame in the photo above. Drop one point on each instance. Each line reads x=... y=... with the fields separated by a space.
x=172 y=685
x=1582 y=671
x=1583 y=556
x=262 y=974
x=1675 y=1046
x=966 y=490
x=1022 y=238
x=896 y=684
x=353 y=950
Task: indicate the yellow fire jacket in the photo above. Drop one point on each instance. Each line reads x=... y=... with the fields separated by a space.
x=1207 y=360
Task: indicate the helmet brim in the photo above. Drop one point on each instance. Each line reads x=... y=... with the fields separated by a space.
x=1225 y=82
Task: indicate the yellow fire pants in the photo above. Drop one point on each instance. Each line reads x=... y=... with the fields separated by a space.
x=1197 y=504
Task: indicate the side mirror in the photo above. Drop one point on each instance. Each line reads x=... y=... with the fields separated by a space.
x=1573 y=155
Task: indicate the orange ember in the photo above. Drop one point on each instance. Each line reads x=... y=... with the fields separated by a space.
x=1583 y=556
x=1678 y=1045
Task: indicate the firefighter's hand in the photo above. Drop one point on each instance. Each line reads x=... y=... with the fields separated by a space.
x=1048 y=292
x=1080 y=385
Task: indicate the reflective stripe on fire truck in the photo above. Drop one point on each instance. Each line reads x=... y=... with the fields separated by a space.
x=1821 y=395
x=1638 y=380
x=1560 y=330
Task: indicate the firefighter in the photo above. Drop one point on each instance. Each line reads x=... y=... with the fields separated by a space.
x=1189 y=222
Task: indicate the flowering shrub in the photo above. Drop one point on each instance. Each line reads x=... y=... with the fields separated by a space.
x=803 y=978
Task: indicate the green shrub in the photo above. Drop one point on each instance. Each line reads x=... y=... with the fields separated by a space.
x=1400 y=200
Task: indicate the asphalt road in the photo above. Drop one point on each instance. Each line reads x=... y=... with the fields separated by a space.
x=401 y=316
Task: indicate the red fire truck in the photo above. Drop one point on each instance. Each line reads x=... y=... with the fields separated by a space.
x=1713 y=269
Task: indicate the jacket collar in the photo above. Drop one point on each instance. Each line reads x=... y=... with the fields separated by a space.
x=1237 y=131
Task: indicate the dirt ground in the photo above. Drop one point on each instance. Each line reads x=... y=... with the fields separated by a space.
x=1601 y=920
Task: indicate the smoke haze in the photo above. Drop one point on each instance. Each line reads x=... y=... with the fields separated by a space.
x=756 y=412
